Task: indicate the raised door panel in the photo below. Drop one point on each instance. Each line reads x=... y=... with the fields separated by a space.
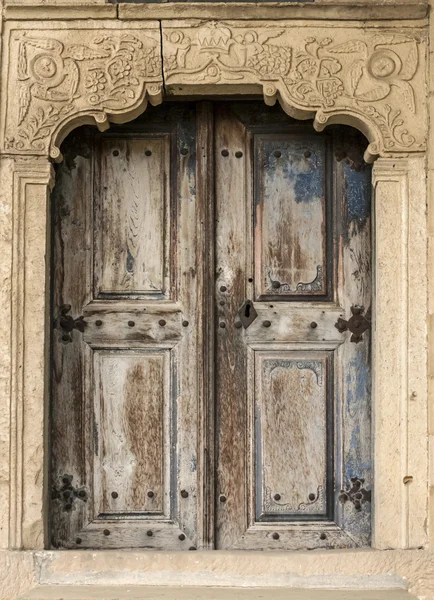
x=132 y=424
x=290 y=216
x=292 y=425
x=132 y=217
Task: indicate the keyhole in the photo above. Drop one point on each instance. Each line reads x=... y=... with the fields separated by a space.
x=247 y=311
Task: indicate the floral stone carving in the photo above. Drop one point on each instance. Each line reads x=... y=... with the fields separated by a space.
x=369 y=76
x=91 y=74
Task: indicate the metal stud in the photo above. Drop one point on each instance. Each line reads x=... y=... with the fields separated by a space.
x=266 y=323
x=115 y=495
x=307 y=154
x=276 y=536
x=222 y=498
x=278 y=154
x=314 y=325
x=277 y=497
x=275 y=285
x=78 y=541
x=238 y=325
x=149 y=533
x=162 y=322
x=222 y=325
x=184 y=151
x=115 y=152
x=223 y=288
x=106 y=532
x=184 y=494
x=98 y=323
x=150 y=494
x=148 y=153
x=181 y=536
x=323 y=536
x=131 y=323
x=225 y=153
x=238 y=154
x=312 y=497
x=185 y=323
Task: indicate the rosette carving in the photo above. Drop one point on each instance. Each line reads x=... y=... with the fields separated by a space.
x=94 y=76
x=366 y=77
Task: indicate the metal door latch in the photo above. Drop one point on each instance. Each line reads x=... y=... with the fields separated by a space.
x=357 y=324
x=66 y=323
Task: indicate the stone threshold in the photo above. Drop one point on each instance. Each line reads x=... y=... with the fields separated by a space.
x=122 y=592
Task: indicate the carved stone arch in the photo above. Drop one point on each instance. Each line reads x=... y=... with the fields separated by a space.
x=371 y=78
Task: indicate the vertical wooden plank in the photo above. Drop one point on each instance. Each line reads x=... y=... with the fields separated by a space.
x=206 y=330
x=231 y=395
x=71 y=248
x=353 y=360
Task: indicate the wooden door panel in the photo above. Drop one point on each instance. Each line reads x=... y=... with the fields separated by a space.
x=290 y=216
x=132 y=415
x=132 y=217
x=292 y=390
x=125 y=391
x=290 y=437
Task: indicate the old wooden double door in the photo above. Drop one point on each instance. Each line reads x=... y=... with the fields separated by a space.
x=208 y=387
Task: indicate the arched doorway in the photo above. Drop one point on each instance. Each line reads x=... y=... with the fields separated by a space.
x=211 y=395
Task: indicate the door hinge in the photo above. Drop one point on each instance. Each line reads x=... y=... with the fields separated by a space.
x=67 y=494
x=357 y=324
x=66 y=323
x=355 y=493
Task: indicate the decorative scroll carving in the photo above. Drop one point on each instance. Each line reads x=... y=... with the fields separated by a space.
x=368 y=75
x=62 y=75
x=272 y=503
x=316 y=366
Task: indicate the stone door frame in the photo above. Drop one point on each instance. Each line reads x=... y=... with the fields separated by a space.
x=59 y=75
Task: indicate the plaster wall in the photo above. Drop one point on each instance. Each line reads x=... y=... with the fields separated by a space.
x=392 y=108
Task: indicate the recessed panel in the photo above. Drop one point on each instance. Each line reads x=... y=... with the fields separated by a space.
x=290 y=435
x=290 y=216
x=132 y=431
x=132 y=217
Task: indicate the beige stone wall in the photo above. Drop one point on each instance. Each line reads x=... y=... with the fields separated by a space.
x=385 y=88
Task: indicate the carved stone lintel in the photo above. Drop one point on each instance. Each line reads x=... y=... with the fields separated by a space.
x=67 y=78
x=369 y=78
x=372 y=78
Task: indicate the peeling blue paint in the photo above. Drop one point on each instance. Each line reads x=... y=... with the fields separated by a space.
x=358 y=193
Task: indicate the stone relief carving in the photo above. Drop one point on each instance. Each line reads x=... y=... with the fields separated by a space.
x=368 y=74
x=94 y=73
x=371 y=77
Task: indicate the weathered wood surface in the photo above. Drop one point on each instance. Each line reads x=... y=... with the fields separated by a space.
x=244 y=437
x=290 y=434
x=125 y=391
x=290 y=227
x=132 y=216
